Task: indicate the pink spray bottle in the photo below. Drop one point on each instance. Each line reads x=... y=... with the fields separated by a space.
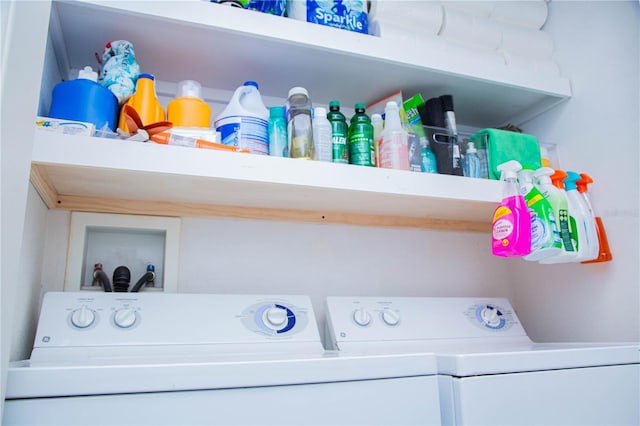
x=511 y=226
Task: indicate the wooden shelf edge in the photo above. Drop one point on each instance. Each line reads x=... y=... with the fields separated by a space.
x=172 y=209
x=53 y=200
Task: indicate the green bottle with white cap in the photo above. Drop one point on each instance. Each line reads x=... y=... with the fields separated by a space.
x=360 y=138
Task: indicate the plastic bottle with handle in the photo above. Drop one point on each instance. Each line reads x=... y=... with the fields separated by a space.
x=604 y=252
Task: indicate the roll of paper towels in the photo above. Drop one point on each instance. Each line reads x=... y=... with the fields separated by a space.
x=530 y=66
x=527 y=42
x=525 y=13
x=469 y=30
x=427 y=15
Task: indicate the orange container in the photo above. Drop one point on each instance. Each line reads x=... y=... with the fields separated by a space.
x=145 y=102
x=188 y=109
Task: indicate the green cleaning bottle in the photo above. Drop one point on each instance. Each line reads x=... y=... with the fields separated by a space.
x=360 y=138
x=545 y=237
x=338 y=133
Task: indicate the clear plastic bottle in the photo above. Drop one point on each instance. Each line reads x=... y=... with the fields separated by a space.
x=360 y=138
x=394 y=142
x=278 y=143
x=378 y=126
x=322 y=135
x=338 y=133
x=471 y=162
x=299 y=124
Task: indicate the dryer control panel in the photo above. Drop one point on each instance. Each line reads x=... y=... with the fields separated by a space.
x=418 y=319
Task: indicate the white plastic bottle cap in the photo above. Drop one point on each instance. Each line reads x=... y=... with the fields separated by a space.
x=298 y=91
x=319 y=112
x=189 y=89
x=88 y=74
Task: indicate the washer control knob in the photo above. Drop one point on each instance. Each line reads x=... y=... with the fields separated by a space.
x=490 y=316
x=275 y=318
x=125 y=317
x=390 y=317
x=83 y=317
x=362 y=317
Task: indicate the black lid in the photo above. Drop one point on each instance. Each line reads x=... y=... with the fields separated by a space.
x=447 y=102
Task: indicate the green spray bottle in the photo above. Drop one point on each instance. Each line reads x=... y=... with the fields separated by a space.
x=557 y=197
x=545 y=237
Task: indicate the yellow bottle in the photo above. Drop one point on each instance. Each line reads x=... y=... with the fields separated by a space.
x=145 y=102
x=188 y=109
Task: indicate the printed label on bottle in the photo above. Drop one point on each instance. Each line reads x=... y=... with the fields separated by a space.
x=360 y=150
x=340 y=150
x=539 y=231
x=565 y=231
x=245 y=132
x=502 y=224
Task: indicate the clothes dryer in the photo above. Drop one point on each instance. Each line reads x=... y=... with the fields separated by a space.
x=490 y=371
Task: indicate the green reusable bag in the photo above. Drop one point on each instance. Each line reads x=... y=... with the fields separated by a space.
x=504 y=145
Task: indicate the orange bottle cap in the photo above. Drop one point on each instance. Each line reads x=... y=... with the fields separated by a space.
x=582 y=183
x=558 y=178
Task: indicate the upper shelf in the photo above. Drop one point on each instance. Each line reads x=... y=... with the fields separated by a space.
x=222 y=46
x=95 y=174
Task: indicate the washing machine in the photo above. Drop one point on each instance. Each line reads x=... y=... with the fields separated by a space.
x=181 y=359
x=490 y=372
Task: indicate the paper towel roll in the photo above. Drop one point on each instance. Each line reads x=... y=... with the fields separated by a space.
x=530 y=66
x=427 y=15
x=425 y=42
x=464 y=28
x=481 y=9
x=526 y=42
x=525 y=13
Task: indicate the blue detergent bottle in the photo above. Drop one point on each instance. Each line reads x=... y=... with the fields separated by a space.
x=83 y=99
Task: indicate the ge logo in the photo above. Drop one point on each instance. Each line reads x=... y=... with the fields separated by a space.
x=46 y=339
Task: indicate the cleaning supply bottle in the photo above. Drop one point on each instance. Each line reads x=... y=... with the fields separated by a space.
x=587 y=233
x=322 y=135
x=299 y=124
x=511 y=226
x=338 y=133
x=188 y=109
x=545 y=238
x=429 y=163
x=277 y=129
x=604 y=252
x=471 y=162
x=145 y=102
x=394 y=142
x=378 y=126
x=83 y=99
x=360 y=138
x=557 y=197
x=245 y=120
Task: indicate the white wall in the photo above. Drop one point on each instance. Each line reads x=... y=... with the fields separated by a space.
x=597 y=132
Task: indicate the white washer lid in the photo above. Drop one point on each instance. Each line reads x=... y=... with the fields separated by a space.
x=229 y=371
x=463 y=359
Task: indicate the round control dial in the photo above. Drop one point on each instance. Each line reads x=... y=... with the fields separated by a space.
x=125 y=317
x=491 y=317
x=275 y=318
x=82 y=317
x=390 y=317
x=362 y=317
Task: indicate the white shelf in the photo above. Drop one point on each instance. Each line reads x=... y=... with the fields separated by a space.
x=95 y=174
x=221 y=47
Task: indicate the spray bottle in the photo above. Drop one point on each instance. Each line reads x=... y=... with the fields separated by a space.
x=511 y=226
x=587 y=233
x=545 y=238
x=557 y=197
x=604 y=253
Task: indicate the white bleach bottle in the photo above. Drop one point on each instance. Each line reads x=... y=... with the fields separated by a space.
x=322 y=138
x=244 y=122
